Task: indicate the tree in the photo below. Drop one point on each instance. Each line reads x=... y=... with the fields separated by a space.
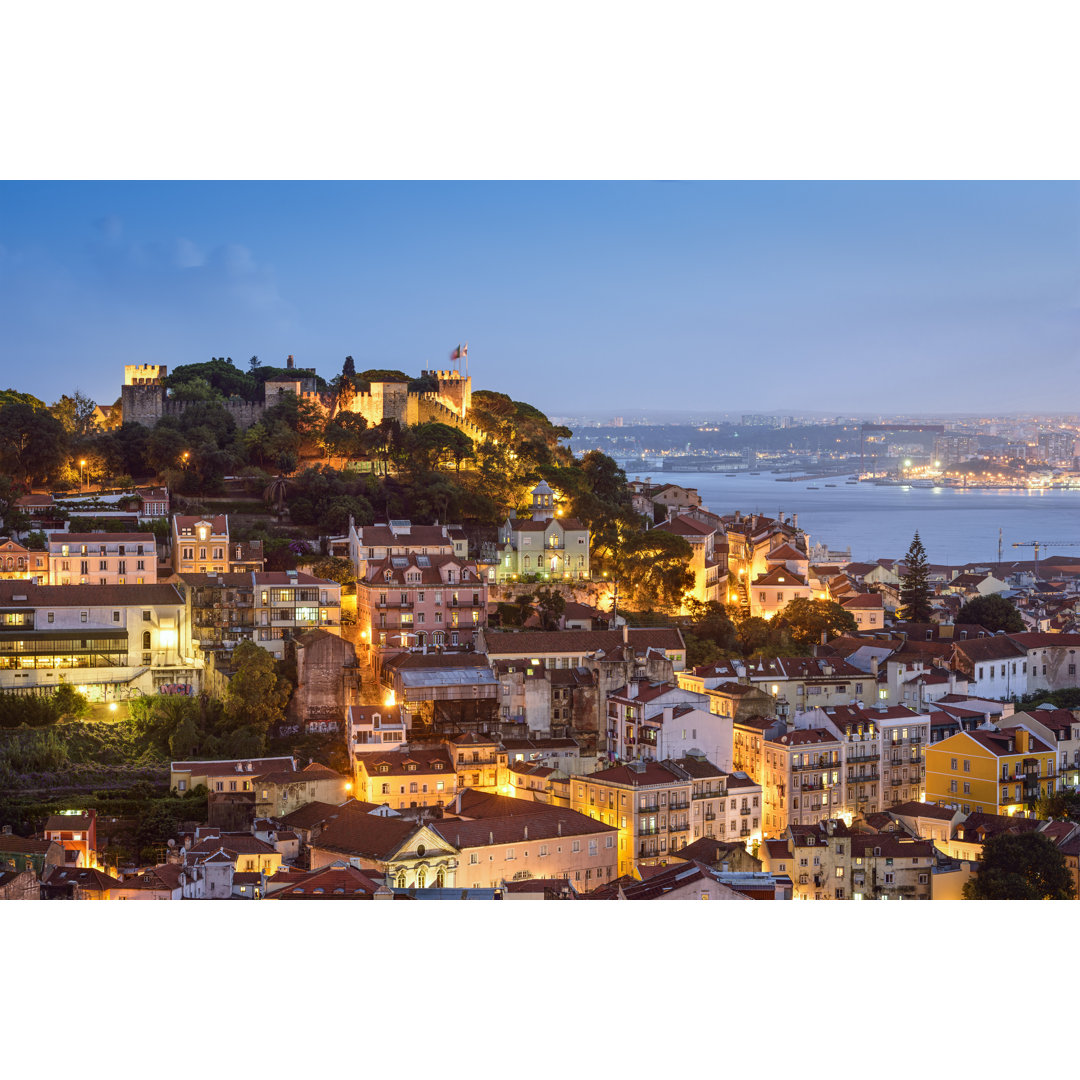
x=255 y=697
x=710 y=623
x=75 y=413
x=653 y=569
x=275 y=493
x=808 y=619
x=915 y=584
x=253 y=364
x=33 y=442
x=330 y=567
x=69 y=703
x=993 y=612
x=1020 y=866
x=1064 y=805
x=550 y=604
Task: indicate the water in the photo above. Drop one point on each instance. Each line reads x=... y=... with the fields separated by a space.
x=956 y=526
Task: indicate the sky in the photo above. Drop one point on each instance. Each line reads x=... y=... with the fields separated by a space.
x=580 y=298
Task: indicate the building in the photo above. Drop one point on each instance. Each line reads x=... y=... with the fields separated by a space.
x=480 y=763
x=201 y=545
x=889 y=867
x=1052 y=660
x=264 y=607
x=280 y=791
x=109 y=641
x=18 y=563
x=802 y=779
x=533 y=841
x=707 y=566
x=453 y=691
x=867 y=609
x=413 y=601
x=996 y=667
x=546 y=546
x=232 y=774
x=104 y=558
x=368 y=544
x=659 y=720
x=985 y=770
x=77 y=883
x=405 y=778
x=21 y=853
x=375 y=727
x=75 y=832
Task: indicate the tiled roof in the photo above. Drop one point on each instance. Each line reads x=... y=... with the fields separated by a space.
x=228 y=768
x=397 y=762
x=998 y=647
x=24 y=845
x=338 y=881
x=863 y=600
x=923 y=809
x=418 y=536
x=1034 y=640
x=68 y=822
x=234 y=844
x=544 y=823
x=357 y=832
x=88 y=596
x=84 y=876
x=651 y=773
x=580 y=642
x=219 y=523
x=890 y=846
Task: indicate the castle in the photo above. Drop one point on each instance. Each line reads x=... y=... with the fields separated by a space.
x=144 y=400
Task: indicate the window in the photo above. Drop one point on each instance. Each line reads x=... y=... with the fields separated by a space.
x=576 y=846
x=967 y=765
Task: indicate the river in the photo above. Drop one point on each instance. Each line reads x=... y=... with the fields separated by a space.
x=956 y=526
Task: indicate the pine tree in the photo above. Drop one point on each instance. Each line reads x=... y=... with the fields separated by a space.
x=915 y=584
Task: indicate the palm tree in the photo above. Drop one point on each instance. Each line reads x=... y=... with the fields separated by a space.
x=275 y=493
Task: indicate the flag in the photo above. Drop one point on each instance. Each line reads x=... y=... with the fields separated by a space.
x=456 y=354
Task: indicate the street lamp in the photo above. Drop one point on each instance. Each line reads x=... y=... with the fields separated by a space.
x=82 y=467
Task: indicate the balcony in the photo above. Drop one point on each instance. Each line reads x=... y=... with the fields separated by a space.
x=864 y=778
x=652 y=808
x=648 y=830
x=744 y=831
x=679 y=806
x=863 y=757
x=710 y=816
x=744 y=811
x=718 y=794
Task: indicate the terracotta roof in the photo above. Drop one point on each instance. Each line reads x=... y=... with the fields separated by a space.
x=682 y=525
x=1034 y=640
x=219 y=523
x=420 y=536
x=396 y=762
x=88 y=596
x=709 y=850
x=337 y=881
x=581 y=642
x=998 y=647
x=68 y=822
x=808 y=737
x=863 y=600
x=356 y=832
x=785 y=552
x=24 y=845
x=651 y=773
x=228 y=768
x=544 y=823
x=890 y=846
x=779 y=575
x=84 y=876
x=234 y=844
x=923 y=809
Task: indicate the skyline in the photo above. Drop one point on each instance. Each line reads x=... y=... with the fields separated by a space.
x=779 y=296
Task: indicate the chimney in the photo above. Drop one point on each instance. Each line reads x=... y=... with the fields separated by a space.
x=1023 y=745
x=526 y=832
x=559 y=826
x=625 y=634
x=491 y=838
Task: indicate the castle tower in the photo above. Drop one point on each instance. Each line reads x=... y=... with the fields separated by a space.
x=543 y=502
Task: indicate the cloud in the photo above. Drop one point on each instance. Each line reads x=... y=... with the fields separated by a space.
x=188 y=255
x=111 y=228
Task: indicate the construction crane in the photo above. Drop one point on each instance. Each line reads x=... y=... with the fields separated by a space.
x=1037 y=544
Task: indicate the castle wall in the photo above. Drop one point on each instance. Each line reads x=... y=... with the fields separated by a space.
x=144 y=374
x=140 y=404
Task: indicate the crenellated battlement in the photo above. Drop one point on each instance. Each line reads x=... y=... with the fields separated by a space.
x=144 y=374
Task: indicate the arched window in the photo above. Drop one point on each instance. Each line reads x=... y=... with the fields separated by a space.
x=421 y=638
x=421 y=878
x=146 y=639
x=401 y=880
x=440 y=878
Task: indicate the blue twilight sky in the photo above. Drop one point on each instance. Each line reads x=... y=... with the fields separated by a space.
x=576 y=297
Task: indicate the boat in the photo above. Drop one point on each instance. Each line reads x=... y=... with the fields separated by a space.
x=755 y=474
x=851 y=481
x=812 y=487
x=729 y=474
x=830 y=485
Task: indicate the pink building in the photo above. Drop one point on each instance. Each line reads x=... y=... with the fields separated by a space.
x=104 y=558
x=406 y=601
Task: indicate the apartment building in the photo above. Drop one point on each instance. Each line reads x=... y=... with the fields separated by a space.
x=802 y=779
x=18 y=563
x=368 y=544
x=991 y=771
x=102 y=559
x=109 y=641
x=264 y=607
x=405 y=777
x=413 y=601
x=647 y=719
x=201 y=545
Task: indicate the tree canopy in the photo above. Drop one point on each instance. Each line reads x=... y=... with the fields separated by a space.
x=1020 y=866
x=994 y=612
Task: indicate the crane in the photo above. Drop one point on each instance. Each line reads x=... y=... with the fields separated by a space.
x=1037 y=544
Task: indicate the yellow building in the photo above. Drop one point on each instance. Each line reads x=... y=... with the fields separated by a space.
x=404 y=778
x=986 y=771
